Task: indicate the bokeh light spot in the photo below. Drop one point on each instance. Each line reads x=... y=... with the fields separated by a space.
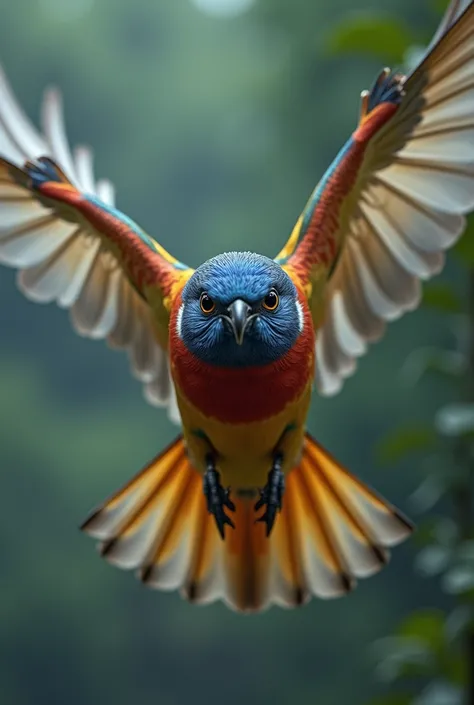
x=223 y=8
x=66 y=10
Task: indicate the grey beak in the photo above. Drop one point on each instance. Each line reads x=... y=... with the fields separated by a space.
x=239 y=312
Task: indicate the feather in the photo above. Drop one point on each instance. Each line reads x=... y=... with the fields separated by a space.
x=55 y=133
x=64 y=261
x=19 y=139
x=332 y=530
x=409 y=201
x=83 y=159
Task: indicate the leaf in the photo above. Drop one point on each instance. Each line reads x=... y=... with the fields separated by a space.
x=446 y=362
x=439 y=6
x=455 y=420
x=439 y=693
x=432 y=560
x=428 y=493
x=458 y=622
x=442 y=298
x=404 y=440
x=384 y=38
x=459 y=579
x=427 y=626
x=425 y=532
x=464 y=248
x=402 y=656
x=456 y=669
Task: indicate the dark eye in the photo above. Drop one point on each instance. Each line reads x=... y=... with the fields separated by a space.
x=271 y=300
x=206 y=303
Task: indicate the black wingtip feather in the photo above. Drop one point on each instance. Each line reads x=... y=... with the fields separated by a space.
x=107 y=547
x=404 y=520
x=192 y=591
x=380 y=554
x=145 y=573
x=85 y=524
x=348 y=582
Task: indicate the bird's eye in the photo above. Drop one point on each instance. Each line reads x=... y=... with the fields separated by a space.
x=271 y=300
x=206 y=303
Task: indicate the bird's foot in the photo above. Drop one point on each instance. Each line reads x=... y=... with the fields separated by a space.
x=217 y=497
x=271 y=497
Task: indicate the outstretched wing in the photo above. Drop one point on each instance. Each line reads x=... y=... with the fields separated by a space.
x=391 y=203
x=60 y=228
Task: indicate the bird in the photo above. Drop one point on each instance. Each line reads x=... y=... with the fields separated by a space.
x=245 y=506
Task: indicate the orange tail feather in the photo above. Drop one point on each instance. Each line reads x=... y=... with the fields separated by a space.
x=332 y=530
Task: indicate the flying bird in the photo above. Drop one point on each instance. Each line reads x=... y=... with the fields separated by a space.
x=245 y=506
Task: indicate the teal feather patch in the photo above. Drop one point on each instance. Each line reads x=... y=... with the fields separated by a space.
x=132 y=225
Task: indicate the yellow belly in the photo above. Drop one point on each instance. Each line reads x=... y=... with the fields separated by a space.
x=244 y=452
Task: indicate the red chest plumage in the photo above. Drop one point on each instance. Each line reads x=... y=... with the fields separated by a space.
x=245 y=394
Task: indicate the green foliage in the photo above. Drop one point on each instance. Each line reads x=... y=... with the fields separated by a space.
x=382 y=37
x=439 y=6
x=464 y=248
x=429 y=645
x=428 y=650
x=423 y=649
x=459 y=622
x=417 y=649
x=440 y=296
x=400 y=656
x=427 y=627
x=405 y=439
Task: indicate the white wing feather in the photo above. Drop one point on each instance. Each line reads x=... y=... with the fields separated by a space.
x=59 y=261
x=412 y=206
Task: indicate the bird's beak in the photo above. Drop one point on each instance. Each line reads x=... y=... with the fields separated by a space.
x=239 y=312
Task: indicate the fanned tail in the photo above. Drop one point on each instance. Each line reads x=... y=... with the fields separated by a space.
x=332 y=530
x=158 y=525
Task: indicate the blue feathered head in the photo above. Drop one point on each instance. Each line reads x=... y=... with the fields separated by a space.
x=239 y=309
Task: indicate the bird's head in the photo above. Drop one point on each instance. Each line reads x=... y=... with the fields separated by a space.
x=239 y=309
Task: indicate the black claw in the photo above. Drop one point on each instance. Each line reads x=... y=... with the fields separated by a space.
x=271 y=496
x=227 y=501
x=217 y=498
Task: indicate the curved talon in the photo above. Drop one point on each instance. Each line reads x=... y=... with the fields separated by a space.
x=271 y=496
x=217 y=498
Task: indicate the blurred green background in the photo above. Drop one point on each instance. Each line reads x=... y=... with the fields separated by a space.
x=214 y=118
